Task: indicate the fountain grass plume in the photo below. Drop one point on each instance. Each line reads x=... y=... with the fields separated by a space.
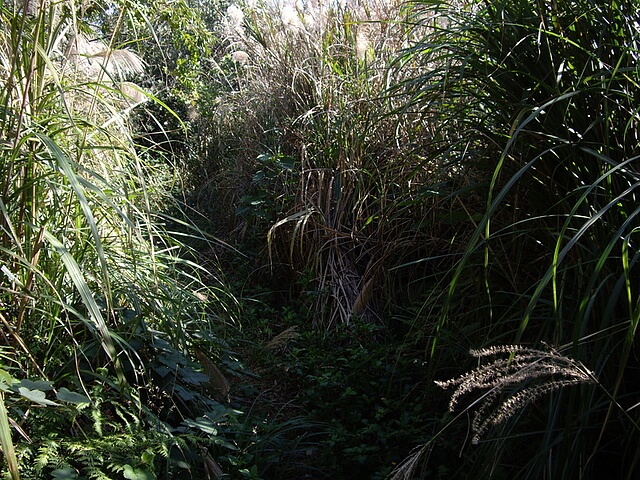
x=513 y=382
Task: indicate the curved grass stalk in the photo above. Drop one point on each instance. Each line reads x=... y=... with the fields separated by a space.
x=557 y=117
x=560 y=254
x=95 y=314
x=8 y=449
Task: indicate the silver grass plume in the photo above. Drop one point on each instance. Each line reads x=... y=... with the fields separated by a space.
x=91 y=57
x=120 y=63
x=520 y=378
x=405 y=471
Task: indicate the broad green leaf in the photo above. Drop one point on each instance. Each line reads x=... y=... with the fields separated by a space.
x=43 y=385
x=65 y=473
x=189 y=375
x=186 y=395
x=172 y=359
x=64 y=395
x=286 y=162
x=204 y=424
x=162 y=370
x=131 y=473
x=36 y=396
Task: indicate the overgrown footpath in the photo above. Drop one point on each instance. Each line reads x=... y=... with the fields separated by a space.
x=327 y=404
x=331 y=240
x=450 y=187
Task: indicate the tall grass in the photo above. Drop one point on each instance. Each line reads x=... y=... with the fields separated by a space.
x=7 y=443
x=541 y=101
x=310 y=153
x=90 y=272
x=75 y=194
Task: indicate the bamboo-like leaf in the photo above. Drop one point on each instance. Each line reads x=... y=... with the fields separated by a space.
x=75 y=273
x=6 y=441
x=74 y=182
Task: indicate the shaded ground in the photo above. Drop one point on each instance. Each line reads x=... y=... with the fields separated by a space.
x=345 y=403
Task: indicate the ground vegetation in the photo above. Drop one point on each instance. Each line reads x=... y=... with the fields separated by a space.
x=359 y=239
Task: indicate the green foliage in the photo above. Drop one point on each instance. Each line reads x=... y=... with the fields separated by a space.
x=97 y=291
x=263 y=202
x=131 y=432
x=6 y=441
x=357 y=411
x=544 y=99
x=367 y=394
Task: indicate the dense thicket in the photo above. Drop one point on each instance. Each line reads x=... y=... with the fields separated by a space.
x=403 y=197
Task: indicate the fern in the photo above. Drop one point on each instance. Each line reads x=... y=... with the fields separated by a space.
x=48 y=453
x=96 y=416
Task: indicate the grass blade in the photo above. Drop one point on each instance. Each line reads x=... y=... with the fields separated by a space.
x=6 y=441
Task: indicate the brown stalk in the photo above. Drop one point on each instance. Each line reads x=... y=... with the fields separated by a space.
x=29 y=283
x=21 y=343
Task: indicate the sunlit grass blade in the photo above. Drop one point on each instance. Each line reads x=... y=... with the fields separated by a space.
x=88 y=298
x=7 y=443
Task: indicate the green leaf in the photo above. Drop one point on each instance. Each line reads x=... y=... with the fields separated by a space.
x=43 y=385
x=258 y=176
x=192 y=377
x=172 y=359
x=36 y=396
x=87 y=298
x=370 y=219
x=204 y=424
x=131 y=473
x=148 y=456
x=286 y=162
x=6 y=380
x=186 y=395
x=65 y=473
x=6 y=442
x=74 y=181
x=64 y=395
x=264 y=158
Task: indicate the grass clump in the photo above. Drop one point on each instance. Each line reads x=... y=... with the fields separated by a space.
x=545 y=97
x=102 y=307
x=311 y=153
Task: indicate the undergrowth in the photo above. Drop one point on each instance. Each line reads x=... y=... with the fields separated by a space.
x=395 y=185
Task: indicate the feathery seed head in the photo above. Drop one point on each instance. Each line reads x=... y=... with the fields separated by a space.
x=239 y=56
x=92 y=57
x=362 y=46
x=523 y=376
x=290 y=18
x=235 y=15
